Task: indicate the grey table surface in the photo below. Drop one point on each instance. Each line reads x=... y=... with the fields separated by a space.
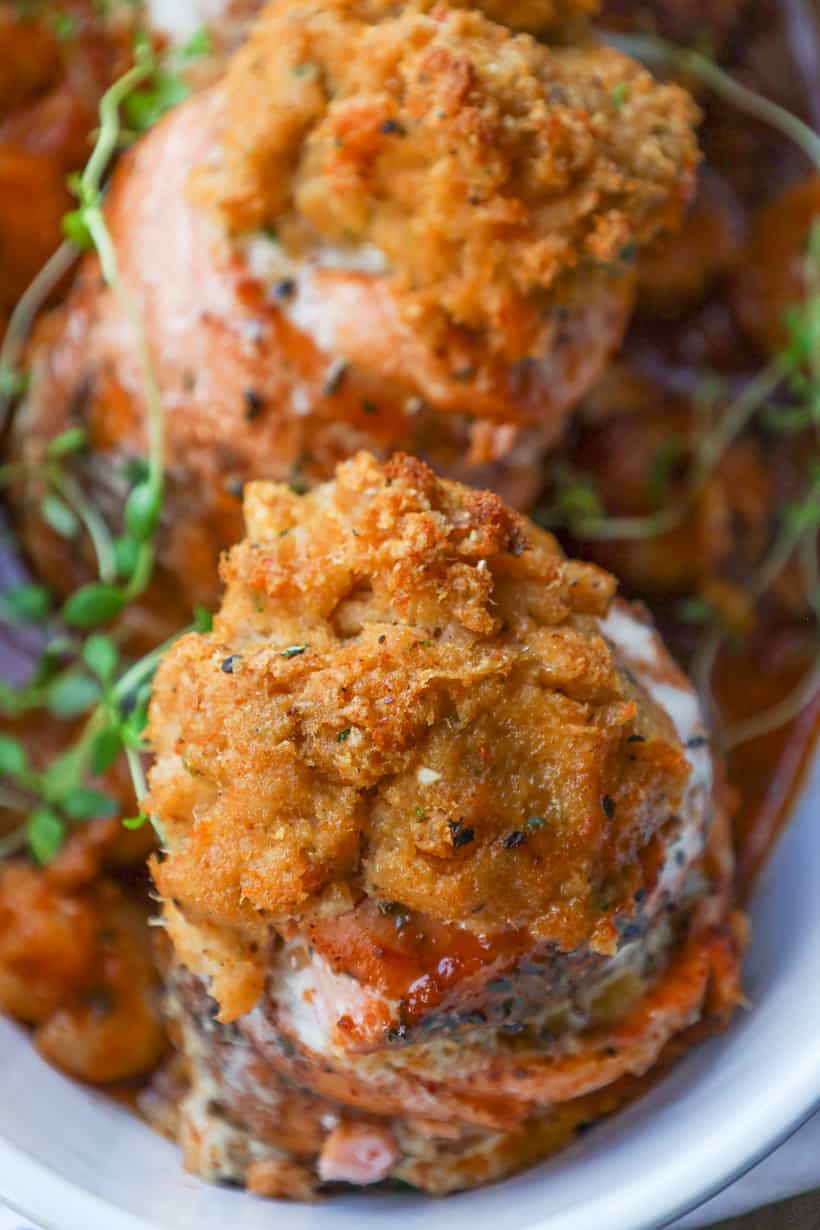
x=800 y=1213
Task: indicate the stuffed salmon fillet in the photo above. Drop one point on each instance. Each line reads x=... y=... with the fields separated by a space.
x=385 y=227
x=445 y=865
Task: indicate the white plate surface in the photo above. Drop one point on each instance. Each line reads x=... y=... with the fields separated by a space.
x=72 y=1160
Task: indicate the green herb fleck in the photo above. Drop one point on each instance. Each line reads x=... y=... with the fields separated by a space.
x=203 y=619
x=620 y=94
x=135 y=822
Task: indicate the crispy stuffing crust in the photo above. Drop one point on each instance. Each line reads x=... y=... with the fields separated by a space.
x=403 y=674
x=489 y=169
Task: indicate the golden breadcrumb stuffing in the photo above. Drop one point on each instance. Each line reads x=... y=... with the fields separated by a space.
x=486 y=168
x=405 y=694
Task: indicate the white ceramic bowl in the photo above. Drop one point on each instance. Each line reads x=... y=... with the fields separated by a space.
x=72 y=1160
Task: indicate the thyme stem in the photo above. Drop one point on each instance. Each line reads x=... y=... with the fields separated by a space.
x=653 y=50
x=26 y=310
x=94 y=524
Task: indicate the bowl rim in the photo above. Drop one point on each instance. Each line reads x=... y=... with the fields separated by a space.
x=36 y=1193
x=770 y=1113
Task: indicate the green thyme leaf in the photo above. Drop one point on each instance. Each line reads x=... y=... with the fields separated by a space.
x=27 y=603
x=136 y=470
x=70 y=441
x=293 y=651
x=13 y=759
x=83 y=803
x=344 y=735
x=104 y=750
x=536 y=822
x=100 y=655
x=143 y=108
x=62 y=775
x=93 y=604
x=45 y=833
x=72 y=694
x=126 y=550
x=142 y=511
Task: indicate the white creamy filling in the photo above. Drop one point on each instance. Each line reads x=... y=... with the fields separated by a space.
x=642 y=651
x=305 y=305
x=180 y=20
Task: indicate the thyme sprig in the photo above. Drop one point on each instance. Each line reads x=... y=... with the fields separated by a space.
x=82 y=674
x=794 y=370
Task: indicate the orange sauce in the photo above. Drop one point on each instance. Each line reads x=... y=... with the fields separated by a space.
x=767 y=772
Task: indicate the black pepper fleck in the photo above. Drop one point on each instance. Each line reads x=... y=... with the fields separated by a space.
x=254 y=405
x=461 y=836
x=227 y=664
x=516 y=838
x=608 y=805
